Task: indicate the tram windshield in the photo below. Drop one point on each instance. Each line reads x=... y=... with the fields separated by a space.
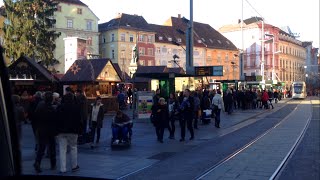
x=298 y=88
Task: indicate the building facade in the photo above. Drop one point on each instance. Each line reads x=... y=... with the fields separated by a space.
x=122 y=36
x=75 y=19
x=210 y=48
x=283 y=53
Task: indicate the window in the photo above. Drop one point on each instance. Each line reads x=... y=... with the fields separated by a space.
x=89 y=25
x=69 y=23
x=89 y=41
x=123 y=37
x=219 y=57
x=253 y=73
x=219 y=41
x=150 y=63
x=158 y=50
x=164 y=50
x=199 y=41
x=59 y=9
x=79 y=11
x=150 y=51
x=131 y=38
x=179 y=40
x=140 y=38
x=112 y=54
x=141 y=62
x=112 y=37
x=169 y=51
x=141 y=51
x=149 y=39
x=104 y=39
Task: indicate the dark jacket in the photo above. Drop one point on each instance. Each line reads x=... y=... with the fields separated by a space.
x=99 y=117
x=83 y=102
x=161 y=117
x=187 y=108
x=69 y=116
x=45 y=118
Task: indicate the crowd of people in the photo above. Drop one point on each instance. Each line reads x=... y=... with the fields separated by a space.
x=189 y=107
x=69 y=120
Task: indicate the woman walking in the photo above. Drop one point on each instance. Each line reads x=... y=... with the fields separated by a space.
x=96 y=120
x=173 y=105
x=161 y=122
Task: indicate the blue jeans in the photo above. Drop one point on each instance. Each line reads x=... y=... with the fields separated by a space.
x=123 y=130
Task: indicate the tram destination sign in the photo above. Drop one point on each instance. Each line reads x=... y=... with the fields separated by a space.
x=208 y=71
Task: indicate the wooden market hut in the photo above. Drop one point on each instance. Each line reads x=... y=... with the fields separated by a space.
x=95 y=77
x=26 y=74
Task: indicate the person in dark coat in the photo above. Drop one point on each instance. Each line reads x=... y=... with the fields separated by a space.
x=96 y=120
x=45 y=117
x=81 y=99
x=161 y=114
x=228 y=100
x=18 y=114
x=69 y=126
x=31 y=115
x=187 y=110
x=173 y=105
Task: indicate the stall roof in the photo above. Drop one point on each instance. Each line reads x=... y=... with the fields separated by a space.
x=29 y=67
x=86 y=70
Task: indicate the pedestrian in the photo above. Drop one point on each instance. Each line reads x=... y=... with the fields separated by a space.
x=31 y=115
x=81 y=99
x=270 y=94
x=46 y=129
x=156 y=97
x=228 y=101
x=265 y=99
x=217 y=104
x=187 y=110
x=96 y=120
x=19 y=115
x=161 y=115
x=68 y=128
x=197 y=109
x=173 y=105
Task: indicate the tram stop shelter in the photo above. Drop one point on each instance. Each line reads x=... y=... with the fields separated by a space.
x=165 y=75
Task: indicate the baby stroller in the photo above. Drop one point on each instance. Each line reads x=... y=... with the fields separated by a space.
x=206 y=116
x=118 y=138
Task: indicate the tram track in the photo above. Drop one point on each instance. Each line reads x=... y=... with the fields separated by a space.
x=223 y=160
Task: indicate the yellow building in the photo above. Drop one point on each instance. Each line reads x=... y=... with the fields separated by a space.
x=75 y=19
x=121 y=35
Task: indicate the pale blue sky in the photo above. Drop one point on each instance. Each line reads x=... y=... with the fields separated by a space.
x=301 y=16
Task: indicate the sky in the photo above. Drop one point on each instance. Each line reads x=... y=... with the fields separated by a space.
x=301 y=16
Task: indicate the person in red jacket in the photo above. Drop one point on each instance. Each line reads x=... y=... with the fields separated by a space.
x=264 y=99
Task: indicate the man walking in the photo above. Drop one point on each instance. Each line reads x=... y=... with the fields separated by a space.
x=187 y=109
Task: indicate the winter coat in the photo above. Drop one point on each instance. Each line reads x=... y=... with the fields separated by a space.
x=265 y=96
x=161 y=115
x=217 y=101
x=69 y=117
x=45 y=118
x=99 y=117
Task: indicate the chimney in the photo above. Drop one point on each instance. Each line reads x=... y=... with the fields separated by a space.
x=179 y=16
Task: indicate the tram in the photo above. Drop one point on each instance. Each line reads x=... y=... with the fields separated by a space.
x=299 y=90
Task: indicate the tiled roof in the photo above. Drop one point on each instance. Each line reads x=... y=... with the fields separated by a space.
x=204 y=35
x=77 y=2
x=85 y=70
x=126 y=21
